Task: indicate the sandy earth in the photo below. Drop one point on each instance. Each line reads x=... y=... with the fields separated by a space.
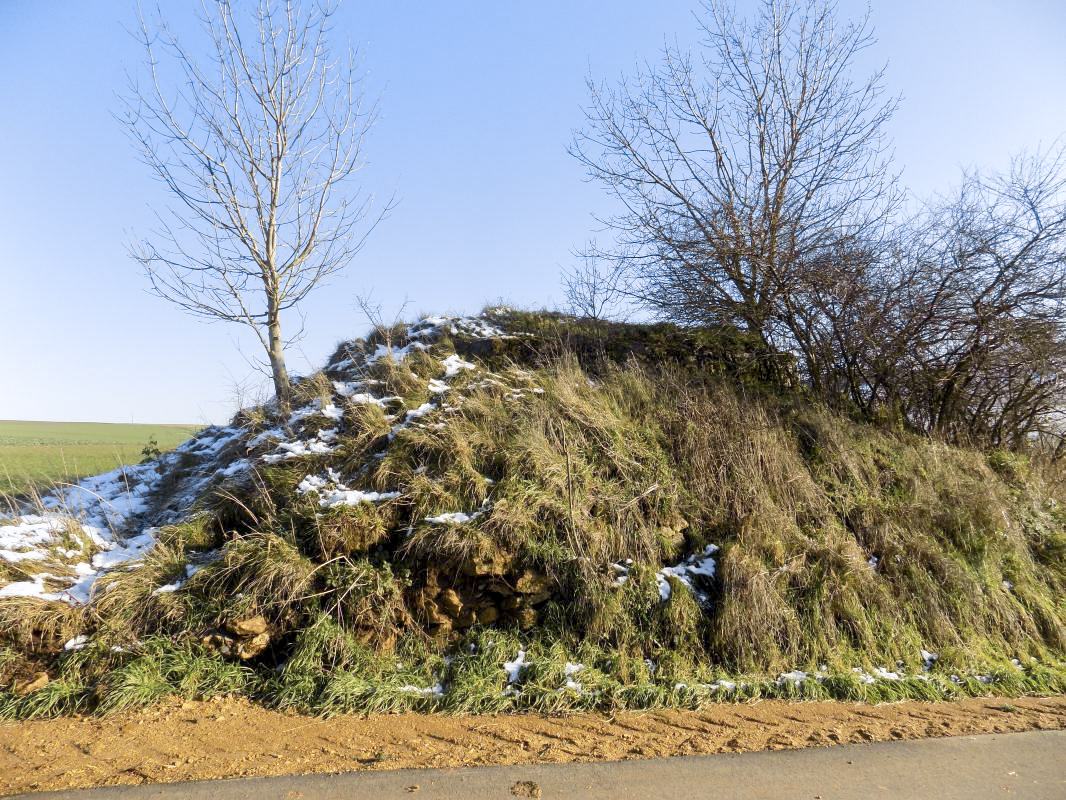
x=181 y=741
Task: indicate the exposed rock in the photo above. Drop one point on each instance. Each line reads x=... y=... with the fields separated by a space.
x=443 y=628
x=510 y=603
x=529 y=582
x=679 y=523
x=423 y=602
x=251 y=646
x=485 y=564
x=27 y=685
x=220 y=642
x=467 y=618
x=434 y=616
x=526 y=789
x=432 y=582
x=253 y=626
x=526 y=618
x=488 y=615
x=450 y=602
x=539 y=597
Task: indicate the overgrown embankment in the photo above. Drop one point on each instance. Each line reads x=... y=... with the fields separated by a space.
x=530 y=511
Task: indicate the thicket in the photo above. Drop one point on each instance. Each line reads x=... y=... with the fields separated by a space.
x=757 y=192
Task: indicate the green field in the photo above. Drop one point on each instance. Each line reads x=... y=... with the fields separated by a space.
x=42 y=453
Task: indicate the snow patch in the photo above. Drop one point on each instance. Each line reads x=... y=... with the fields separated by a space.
x=694 y=566
x=454 y=364
x=333 y=493
x=514 y=668
x=436 y=690
x=52 y=530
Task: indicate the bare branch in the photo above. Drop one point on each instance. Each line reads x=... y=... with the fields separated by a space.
x=259 y=143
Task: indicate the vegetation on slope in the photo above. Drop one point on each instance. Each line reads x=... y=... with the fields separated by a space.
x=531 y=511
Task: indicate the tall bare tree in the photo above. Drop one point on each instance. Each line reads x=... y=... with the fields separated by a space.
x=739 y=169
x=258 y=141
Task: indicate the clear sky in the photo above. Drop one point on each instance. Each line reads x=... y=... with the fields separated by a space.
x=479 y=101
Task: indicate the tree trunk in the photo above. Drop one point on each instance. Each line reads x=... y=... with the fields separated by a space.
x=277 y=365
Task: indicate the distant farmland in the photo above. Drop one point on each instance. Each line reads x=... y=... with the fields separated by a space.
x=47 y=452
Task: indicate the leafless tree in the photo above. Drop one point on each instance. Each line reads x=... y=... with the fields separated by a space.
x=738 y=170
x=986 y=330
x=594 y=288
x=958 y=329
x=258 y=142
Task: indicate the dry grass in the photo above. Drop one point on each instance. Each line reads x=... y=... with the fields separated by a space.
x=840 y=544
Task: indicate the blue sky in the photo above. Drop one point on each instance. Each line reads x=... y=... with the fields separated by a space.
x=479 y=101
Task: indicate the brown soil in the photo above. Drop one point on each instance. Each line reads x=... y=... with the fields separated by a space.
x=225 y=738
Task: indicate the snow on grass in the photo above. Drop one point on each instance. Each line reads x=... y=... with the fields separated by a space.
x=276 y=434
x=369 y=399
x=126 y=550
x=209 y=442
x=418 y=413
x=437 y=690
x=471 y=327
x=570 y=670
x=31 y=588
x=320 y=445
x=622 y=571
x=451 y=518
x=700 y=565
x=166 y=588
x=18 y=541
x=454 y=364
x=331 y=498
x=333 y=493
x=864 y=676
x=51 y=537
x=514 y=668
x=108 y=500
x=460 y=517
x=397 y=354
x=234 y=468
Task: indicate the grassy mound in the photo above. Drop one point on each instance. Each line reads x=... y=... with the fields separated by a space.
x=531 y=511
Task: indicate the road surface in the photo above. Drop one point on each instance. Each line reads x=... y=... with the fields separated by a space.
x=1027 y=766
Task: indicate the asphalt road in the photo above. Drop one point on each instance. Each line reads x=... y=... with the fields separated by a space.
x=1031 y=766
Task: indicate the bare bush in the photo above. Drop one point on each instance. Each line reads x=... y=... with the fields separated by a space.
x=757 y=194
x=986 y=330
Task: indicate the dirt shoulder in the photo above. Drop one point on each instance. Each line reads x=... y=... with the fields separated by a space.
x=184 y=741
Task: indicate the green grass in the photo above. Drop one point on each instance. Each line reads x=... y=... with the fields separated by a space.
x=36 y=453
x=841 y=547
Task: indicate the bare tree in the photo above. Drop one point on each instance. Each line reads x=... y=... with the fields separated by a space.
x=986 y=330
x=258 y=142
x=738 y=171
x=594 y=288
x=959 y=329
